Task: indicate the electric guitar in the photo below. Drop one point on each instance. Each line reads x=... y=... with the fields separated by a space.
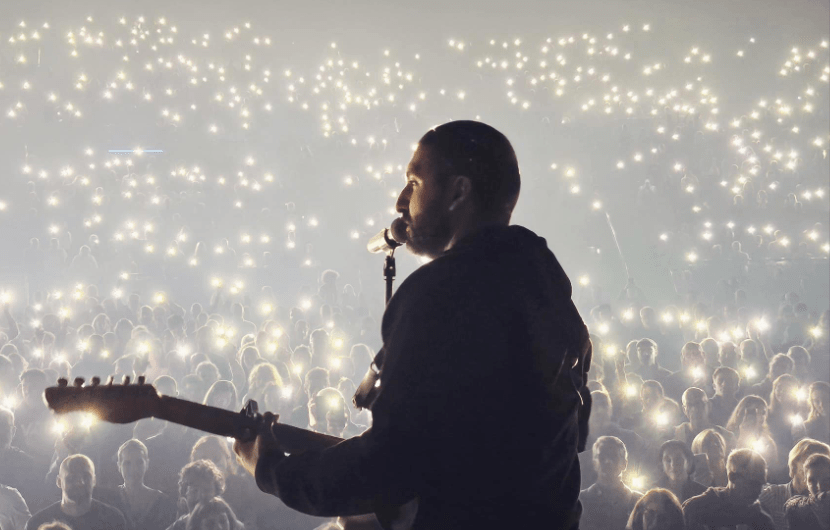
x=127 y=403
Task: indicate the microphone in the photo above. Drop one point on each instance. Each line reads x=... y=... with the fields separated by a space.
x=388 y=238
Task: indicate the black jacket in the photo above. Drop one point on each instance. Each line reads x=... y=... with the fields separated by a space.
x=482 y=406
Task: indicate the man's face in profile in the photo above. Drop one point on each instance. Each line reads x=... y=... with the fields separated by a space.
x=423 y=206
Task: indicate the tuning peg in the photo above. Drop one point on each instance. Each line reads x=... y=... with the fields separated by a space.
x=96 y=381
x=111 y=380
x=250 y=411
x=126 y=380
x=62 y=382
x=251 y=408
x=141 y=379
x=79 y=382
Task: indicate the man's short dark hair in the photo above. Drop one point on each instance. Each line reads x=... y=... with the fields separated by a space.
x=201 y=470
x=317 y=377
x=174 y=322
x=726 y=372
x=613 y=441
x=35 y=377
x=683 y=448
x=643 y=343
x=480 y=152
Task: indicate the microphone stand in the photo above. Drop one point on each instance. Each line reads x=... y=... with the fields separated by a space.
x=367 y=389
x=389 y=273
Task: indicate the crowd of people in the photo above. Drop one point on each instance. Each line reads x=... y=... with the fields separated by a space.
x=711 y=402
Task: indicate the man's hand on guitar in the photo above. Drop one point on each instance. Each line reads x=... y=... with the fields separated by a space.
x=249 y=453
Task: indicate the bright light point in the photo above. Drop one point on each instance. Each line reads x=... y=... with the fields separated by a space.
x=758 y=446
x=10 y=402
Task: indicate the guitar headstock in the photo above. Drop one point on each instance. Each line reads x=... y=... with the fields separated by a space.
x=114 y=403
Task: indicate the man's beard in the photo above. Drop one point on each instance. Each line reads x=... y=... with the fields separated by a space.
x=430 y=241
x=79 y=495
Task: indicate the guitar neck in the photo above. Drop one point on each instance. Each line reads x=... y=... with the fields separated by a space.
x=296 y=440
x=235 y=425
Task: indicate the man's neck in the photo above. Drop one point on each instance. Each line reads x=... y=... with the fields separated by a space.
x=738 y=501
x=75 y=510
x=697 y=428
x=611 y=484
x=467 y=230
x=797 y=490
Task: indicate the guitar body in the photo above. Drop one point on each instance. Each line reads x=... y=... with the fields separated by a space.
x=128 y=403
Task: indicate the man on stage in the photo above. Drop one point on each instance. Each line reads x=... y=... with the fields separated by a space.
x=482 y=404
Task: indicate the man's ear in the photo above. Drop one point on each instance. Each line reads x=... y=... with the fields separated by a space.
x=461 y=190
x=58 y=481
